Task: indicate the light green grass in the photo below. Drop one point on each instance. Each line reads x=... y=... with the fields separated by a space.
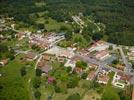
x=52 y=25
x=14 y=86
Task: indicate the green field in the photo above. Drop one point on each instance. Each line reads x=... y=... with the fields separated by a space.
x=52 y=24
x=84 y=92
x=12 y=85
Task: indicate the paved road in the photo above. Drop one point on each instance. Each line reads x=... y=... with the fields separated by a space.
x=103 y=65
x=128 y=67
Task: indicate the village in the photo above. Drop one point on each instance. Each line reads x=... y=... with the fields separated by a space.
x=102 y=62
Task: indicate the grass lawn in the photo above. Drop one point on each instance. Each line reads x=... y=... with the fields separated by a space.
x=13 y=85
x=84 y=92
x=52 y=24
x=91 y=95
x=111 y=75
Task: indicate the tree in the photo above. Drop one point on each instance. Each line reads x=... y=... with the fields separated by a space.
x=97 y=36
x=40 y=26
x=75 y=96
x=38 y=72
x=37 y=94
x=36 y=82
x=68 y=35
x=110 y=47
x=57 y=89
x=115 y=62
x=63 y=28
x=68 y=69
x=80 y=40
x=35 y=47
x=133 y=65
x=110 y=94
x=84 y=75
x=23 y=71
x=81 y=64
x=72 y=82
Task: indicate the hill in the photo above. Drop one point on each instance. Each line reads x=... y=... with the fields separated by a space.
x=117 y=15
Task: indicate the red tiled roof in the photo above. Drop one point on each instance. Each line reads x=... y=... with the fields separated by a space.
x=4 y=61
x=133 y=94
x=124 y=76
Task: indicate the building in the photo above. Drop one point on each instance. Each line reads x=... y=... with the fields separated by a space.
x=121 y=80
x=70 y=63
x=50 y=80
x=41 y=64
x=102 y=55
x=133 y=94
x=131 y=54
x=99 y=46
x=61 y=52
x=45 y=42
x=93 y=66
x=31 y=56
x=102 y=78
x=78 y=70
x=120 y=66
x=45 y=69
x=3 y=62
x=20 y=35
x=91 y=75
x=83 y=52
x=48 y=57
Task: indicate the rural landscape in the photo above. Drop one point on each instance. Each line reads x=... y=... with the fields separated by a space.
x=66 y=50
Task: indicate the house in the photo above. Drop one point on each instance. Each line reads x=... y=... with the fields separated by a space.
x=83 y=52
x=46 y=69
x=102 y=78
x=93 y=66
x=20 y=35
x=48 y=57
x=50 y=80
x=61 y=59
x=120 y=66
x=133 y=94
x=102 y=55
x=61 y=52
x=105 y=71
x=31 y=56
x=121 y=80
x=3 y=62
x=99 y=46
x=41 y=63
x=78 y=70
x=70 y=63
x=46 y=41
x=131 y=54
x=91 y=75
x=76 y=58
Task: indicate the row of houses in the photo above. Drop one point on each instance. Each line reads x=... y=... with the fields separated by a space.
x=121 y=80
x=130 y=54
x=45 y=42
x=98 y=50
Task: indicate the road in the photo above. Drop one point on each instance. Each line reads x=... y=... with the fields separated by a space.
x=127 y=65
x=103 y=65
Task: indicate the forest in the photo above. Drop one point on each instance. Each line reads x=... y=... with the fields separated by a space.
x=117 y=15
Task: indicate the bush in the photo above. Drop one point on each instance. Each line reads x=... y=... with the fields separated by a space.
x=84 y=75
x=72 y=82
x=37 y=94
x=38 y=72
x=23 y=71
x=36 y=82
x=75 y=96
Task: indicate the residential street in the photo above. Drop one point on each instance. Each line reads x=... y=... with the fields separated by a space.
x=128 y=67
